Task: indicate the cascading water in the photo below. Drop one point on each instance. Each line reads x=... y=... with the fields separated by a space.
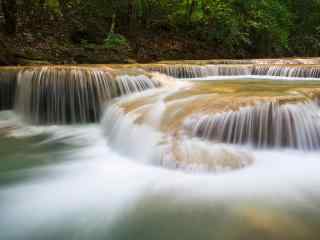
x=240 y=71
x=275 y=61
x=264 y=125
x=287 y=71
x=71 y=95
x=171 y=159
x=197 y=71
x=131 y=84
x=163 y=118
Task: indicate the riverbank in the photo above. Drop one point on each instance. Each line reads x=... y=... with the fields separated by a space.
x=26 y=48
x=43 y=48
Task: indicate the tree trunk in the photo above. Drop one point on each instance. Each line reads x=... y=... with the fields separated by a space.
x=130 y=15
x=9 y=8
x=113 y=24
x=190 y=10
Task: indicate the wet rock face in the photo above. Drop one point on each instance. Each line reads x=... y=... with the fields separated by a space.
x=196 y=155
x=8 y=83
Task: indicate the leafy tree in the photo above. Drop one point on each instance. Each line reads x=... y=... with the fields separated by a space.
x=237 y=27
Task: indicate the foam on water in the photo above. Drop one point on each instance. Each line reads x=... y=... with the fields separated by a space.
x=116 y=188
x=85 y=197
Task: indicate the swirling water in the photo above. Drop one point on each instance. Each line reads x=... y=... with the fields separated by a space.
x=75 y=186
x=86 y=182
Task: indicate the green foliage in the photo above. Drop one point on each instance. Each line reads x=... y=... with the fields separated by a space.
x=239 y=27
x=114 y=41
x=54 y=5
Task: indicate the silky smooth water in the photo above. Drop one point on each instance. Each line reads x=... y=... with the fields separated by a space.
x=66 y=183
x=104 y=180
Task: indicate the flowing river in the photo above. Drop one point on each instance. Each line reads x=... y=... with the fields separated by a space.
x=159 y=157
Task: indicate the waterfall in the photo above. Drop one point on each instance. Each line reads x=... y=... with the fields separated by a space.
x=123 y=131
x=129 y=118
x=71 y=95
x=211 y=70
x=264 y=125
x=197 y=71
x=7 y=89
x=131 y=84
x=75 y=94
x=287 y=71
x=287 y=61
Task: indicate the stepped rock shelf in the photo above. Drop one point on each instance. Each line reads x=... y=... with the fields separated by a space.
x=219 y=149
x=71 y=94
x=264 y=104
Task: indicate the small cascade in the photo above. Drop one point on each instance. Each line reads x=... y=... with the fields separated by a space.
x=71 y=95
x=180 y=70
x=243 y=70
x=7 y=89
x=129 y=118
x=123 y=132
x=264 y=125
x=131 y=84
x=287 y=71
x=197 y=71
x=286 y=61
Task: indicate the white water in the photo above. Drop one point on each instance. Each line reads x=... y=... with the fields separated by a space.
x=269 y=124
x=53 y=95
x=192 y=71
x=109 y=189
x=227 y=70
x=251 y=77
x=87 y=196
